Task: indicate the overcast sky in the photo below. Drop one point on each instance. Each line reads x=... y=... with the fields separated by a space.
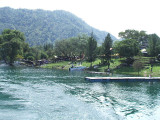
x=112 y=16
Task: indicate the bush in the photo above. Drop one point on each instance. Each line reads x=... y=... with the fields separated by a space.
x=31 y=58
x=137 y=65
x=44 y=55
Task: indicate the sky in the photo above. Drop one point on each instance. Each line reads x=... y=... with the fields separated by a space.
x=112 y=16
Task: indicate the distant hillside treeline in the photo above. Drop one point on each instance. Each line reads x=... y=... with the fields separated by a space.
x=42 y=27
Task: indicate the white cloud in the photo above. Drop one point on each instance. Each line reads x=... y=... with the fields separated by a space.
x=109 y=15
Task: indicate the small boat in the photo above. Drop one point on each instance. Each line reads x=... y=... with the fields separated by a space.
x=77 y=68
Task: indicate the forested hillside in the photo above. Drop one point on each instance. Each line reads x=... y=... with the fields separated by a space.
x=41 y=26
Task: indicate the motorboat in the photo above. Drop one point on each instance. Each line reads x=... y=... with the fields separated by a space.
x=77 y=68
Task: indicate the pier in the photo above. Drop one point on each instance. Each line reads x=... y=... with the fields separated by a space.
x=122 y=79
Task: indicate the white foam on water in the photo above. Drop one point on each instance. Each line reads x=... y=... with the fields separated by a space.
x=29 y=94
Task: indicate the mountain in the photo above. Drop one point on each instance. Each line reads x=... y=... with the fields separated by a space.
x=40 y=26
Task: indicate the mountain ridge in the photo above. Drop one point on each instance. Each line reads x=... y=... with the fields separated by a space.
x=43 y=26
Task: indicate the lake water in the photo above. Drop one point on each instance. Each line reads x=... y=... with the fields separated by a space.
x=44 y=94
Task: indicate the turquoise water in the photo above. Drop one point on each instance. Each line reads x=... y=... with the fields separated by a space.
x=43 y=94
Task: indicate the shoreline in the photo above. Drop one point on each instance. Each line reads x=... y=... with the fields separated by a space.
x=128 y=71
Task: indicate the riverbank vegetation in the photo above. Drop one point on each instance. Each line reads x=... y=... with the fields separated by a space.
x=136 y=54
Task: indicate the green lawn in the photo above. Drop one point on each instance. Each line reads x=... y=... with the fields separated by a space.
x=113 y=66
x=58 y=65
x=88 y=64
x=145 y=72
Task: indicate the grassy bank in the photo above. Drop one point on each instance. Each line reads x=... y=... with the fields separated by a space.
x=67 y=64
x=146 y=71
x=60 y=65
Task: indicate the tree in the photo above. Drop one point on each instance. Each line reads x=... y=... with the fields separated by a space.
x=137 y=65
x=140 y=36
x=44 y=55
x=129 y=34
x=71 y=47
x=29 y=56
x=11 y=45
x=154 y=45
x=79 y=45
x=49 y=50
x=106 y=50
x=127 y=48
x=91 y=49
x=61 y=47
x=37 y=53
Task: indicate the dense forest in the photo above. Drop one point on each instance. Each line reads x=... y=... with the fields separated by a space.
x=41 y=27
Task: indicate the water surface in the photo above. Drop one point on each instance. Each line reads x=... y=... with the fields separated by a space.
x=44 y=94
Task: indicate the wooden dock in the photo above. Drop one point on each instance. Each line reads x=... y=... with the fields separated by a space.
x=122 y=79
